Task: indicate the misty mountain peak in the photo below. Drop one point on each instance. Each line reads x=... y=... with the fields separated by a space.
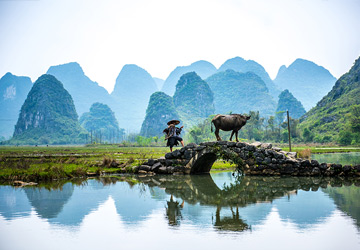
x=308 y=66
x=203 y=63
x=48 y=114
x=306 y=80
x=132 y=91
x=241 y=65
x=134 y=79
x=9 y=79
x=282 y=69
x=72 y=68
x=7 y=76
x=288 y=102
x=240 y=92
x=13 y=92
x=83 y=90
x=203 y=68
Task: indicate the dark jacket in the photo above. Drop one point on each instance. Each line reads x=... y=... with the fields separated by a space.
x=172 y=136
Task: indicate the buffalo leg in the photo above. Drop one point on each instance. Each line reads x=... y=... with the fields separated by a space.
x=217 y=134
x=232 y=133
x=236 y=135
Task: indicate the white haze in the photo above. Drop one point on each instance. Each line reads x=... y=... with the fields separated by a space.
x=158 y=35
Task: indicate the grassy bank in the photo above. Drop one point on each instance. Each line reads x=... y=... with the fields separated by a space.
x=65 y=162
x=30 y=163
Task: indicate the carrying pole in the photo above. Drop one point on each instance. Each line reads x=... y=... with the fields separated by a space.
x=288 y=122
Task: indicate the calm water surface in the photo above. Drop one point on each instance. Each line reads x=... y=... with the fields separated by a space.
x=352 y=158
x=215 y=211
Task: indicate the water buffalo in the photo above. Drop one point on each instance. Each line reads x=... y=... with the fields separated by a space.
x=232 y=122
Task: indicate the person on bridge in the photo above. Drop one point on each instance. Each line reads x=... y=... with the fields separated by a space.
x=172 y=134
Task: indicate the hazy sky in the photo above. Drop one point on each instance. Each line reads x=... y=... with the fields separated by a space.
x=158 y=35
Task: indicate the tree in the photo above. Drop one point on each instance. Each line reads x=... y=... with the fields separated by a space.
x=254 y=127
x=294 y=131
x=307 y=135
x=195 y=134
x=279 y=118
x=345 y=137
x=101 y=121
x=355 y=118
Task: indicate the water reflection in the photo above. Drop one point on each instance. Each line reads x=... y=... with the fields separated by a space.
x=230 y=223
x=347 y=200
x=233 y=204
x=49 y=202
x=244 y=196
x=14 y=203
x=351 y=158
x=173 y=211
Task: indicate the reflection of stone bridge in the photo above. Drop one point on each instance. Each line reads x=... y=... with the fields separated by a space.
x=64 y=203
x=245 y=191
x=253 y=159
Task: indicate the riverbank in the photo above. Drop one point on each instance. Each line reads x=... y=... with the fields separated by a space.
x=42 y=163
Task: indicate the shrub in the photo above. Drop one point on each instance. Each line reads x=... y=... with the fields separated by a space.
x=345 y=138
x=305 y=153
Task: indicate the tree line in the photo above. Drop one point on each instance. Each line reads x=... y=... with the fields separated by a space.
x=266 y=129
x=274 y=129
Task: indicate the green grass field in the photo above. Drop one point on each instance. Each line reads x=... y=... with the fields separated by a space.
x=43 y=163
x=30 y=163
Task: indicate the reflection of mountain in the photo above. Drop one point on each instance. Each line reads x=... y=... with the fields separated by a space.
x=70 y=204
x=14 y=203
x=305 y=209
x=133 y=204
x=223 y=202
x=49 y=203
x=256 y=213
x=347 y=199
x=130 y=203
x=84 y=200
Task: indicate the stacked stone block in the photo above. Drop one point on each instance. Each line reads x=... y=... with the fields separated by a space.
x=258 y=158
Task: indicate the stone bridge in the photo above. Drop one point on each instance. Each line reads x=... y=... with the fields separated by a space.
x=252 y=159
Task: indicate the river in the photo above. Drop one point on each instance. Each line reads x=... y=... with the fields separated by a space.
x=217 y=211
x=351 y=158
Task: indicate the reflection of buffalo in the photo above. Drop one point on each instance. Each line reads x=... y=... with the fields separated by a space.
x=232 y=122
x=234 y=223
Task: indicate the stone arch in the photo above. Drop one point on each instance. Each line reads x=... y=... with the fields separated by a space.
x=202 y=161
x=204 y=185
